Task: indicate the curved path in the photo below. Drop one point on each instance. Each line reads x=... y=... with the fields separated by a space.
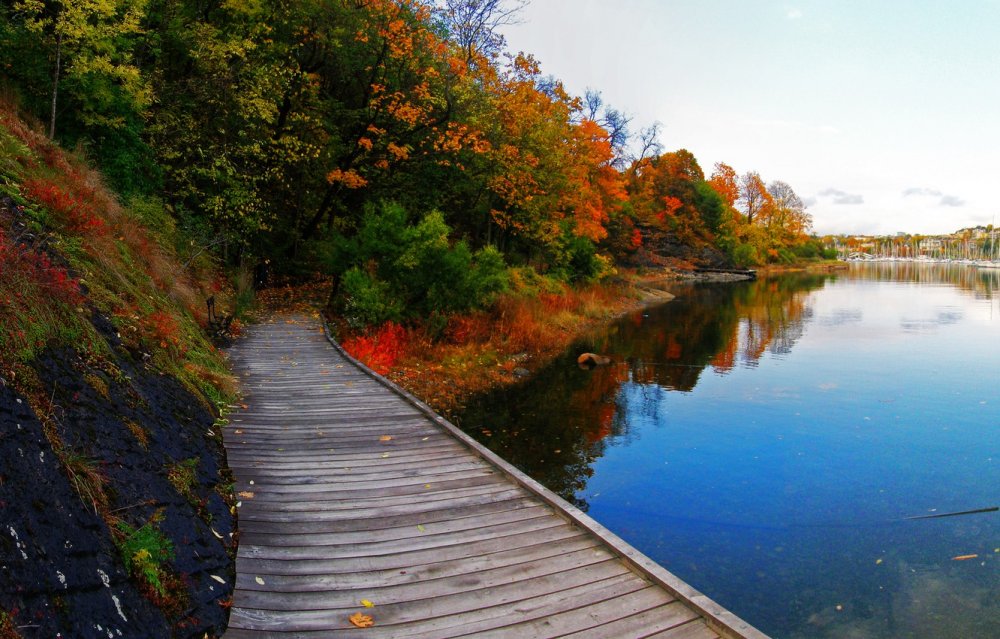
x=353 y=492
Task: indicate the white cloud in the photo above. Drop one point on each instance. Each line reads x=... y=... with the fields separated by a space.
x=944 y=199
x=842 y=197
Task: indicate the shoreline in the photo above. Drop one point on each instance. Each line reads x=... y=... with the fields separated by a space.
x=447 y=376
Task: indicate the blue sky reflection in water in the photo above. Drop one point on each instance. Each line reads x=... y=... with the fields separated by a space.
x=764 y=440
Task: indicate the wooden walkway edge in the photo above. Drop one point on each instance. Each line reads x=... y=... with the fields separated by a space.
x=353 y=490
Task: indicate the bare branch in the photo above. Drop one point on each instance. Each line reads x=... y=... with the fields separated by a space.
x=474 y=24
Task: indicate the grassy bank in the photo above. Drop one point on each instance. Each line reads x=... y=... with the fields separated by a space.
x=446 y=362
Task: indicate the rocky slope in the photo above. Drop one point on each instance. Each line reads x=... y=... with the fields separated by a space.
x=114 y=519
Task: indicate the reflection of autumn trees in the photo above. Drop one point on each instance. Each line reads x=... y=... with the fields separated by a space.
x=558 y=423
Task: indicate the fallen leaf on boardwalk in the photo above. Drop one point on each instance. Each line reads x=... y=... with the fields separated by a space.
x=964 y=557
x=361 y=620
x=244 y=405
x=425 y=439
x=238 y=431
x=384 y=455
x=348 y=383
x=427 y=485
x=420 y=527
x=259 y=580
x=218 y=578
x=367 y=604
x=245 y=494
x=385 y=438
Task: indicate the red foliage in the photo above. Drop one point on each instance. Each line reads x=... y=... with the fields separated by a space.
x=379 y=350
x=163 y=328
x=24 y=271
x=466 y=329
x=76 y=210
x=635 y=242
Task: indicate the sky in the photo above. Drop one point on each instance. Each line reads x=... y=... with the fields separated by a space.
x=883 y=116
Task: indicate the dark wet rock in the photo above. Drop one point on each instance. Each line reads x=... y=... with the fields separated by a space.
x=521 y=372
x=61 y=574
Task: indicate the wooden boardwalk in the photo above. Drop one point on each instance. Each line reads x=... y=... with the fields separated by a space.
x=353 y=490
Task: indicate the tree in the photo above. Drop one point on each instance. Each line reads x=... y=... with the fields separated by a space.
x=613 y=121
x=754 y=197
x=788 y=219
x=90 y=44
x=726 y=183
x=474 y=24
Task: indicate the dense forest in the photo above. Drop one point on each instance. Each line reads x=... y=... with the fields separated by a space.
x=394 y=144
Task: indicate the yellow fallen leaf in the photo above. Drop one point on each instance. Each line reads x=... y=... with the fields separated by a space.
x=385 y=438
x=878 y=561
x=361 y=620
x=259 y=580
x=964 y=557
x=427 y=485
x=420 y=527
x=367 y=604
x=245 y=494
x=218 y=578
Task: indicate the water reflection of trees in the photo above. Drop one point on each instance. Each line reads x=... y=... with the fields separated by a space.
x=556 y=424
x=982 y=283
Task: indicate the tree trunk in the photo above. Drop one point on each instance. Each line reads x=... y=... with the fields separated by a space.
x=55 y=87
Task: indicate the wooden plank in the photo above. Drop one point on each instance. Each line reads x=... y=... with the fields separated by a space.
x=342 y=598
x=374 y=519
x=690 y=630
x=461 y=564
x=424 y=541
x=643 y=624
x=304 y=535
x=477 y=551
x=464 y=600
x=595 y=615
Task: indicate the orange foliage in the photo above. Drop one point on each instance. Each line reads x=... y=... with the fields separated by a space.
x=724 y=182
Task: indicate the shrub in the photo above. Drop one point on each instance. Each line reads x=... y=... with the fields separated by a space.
x=393 y=270
x=381 y=349
x=144 y=551
x=367 y=301
x=746 y=255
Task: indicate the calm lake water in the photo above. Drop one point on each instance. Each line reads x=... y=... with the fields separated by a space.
x=763 y=441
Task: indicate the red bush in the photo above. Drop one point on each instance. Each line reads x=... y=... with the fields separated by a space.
x=380 y=350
